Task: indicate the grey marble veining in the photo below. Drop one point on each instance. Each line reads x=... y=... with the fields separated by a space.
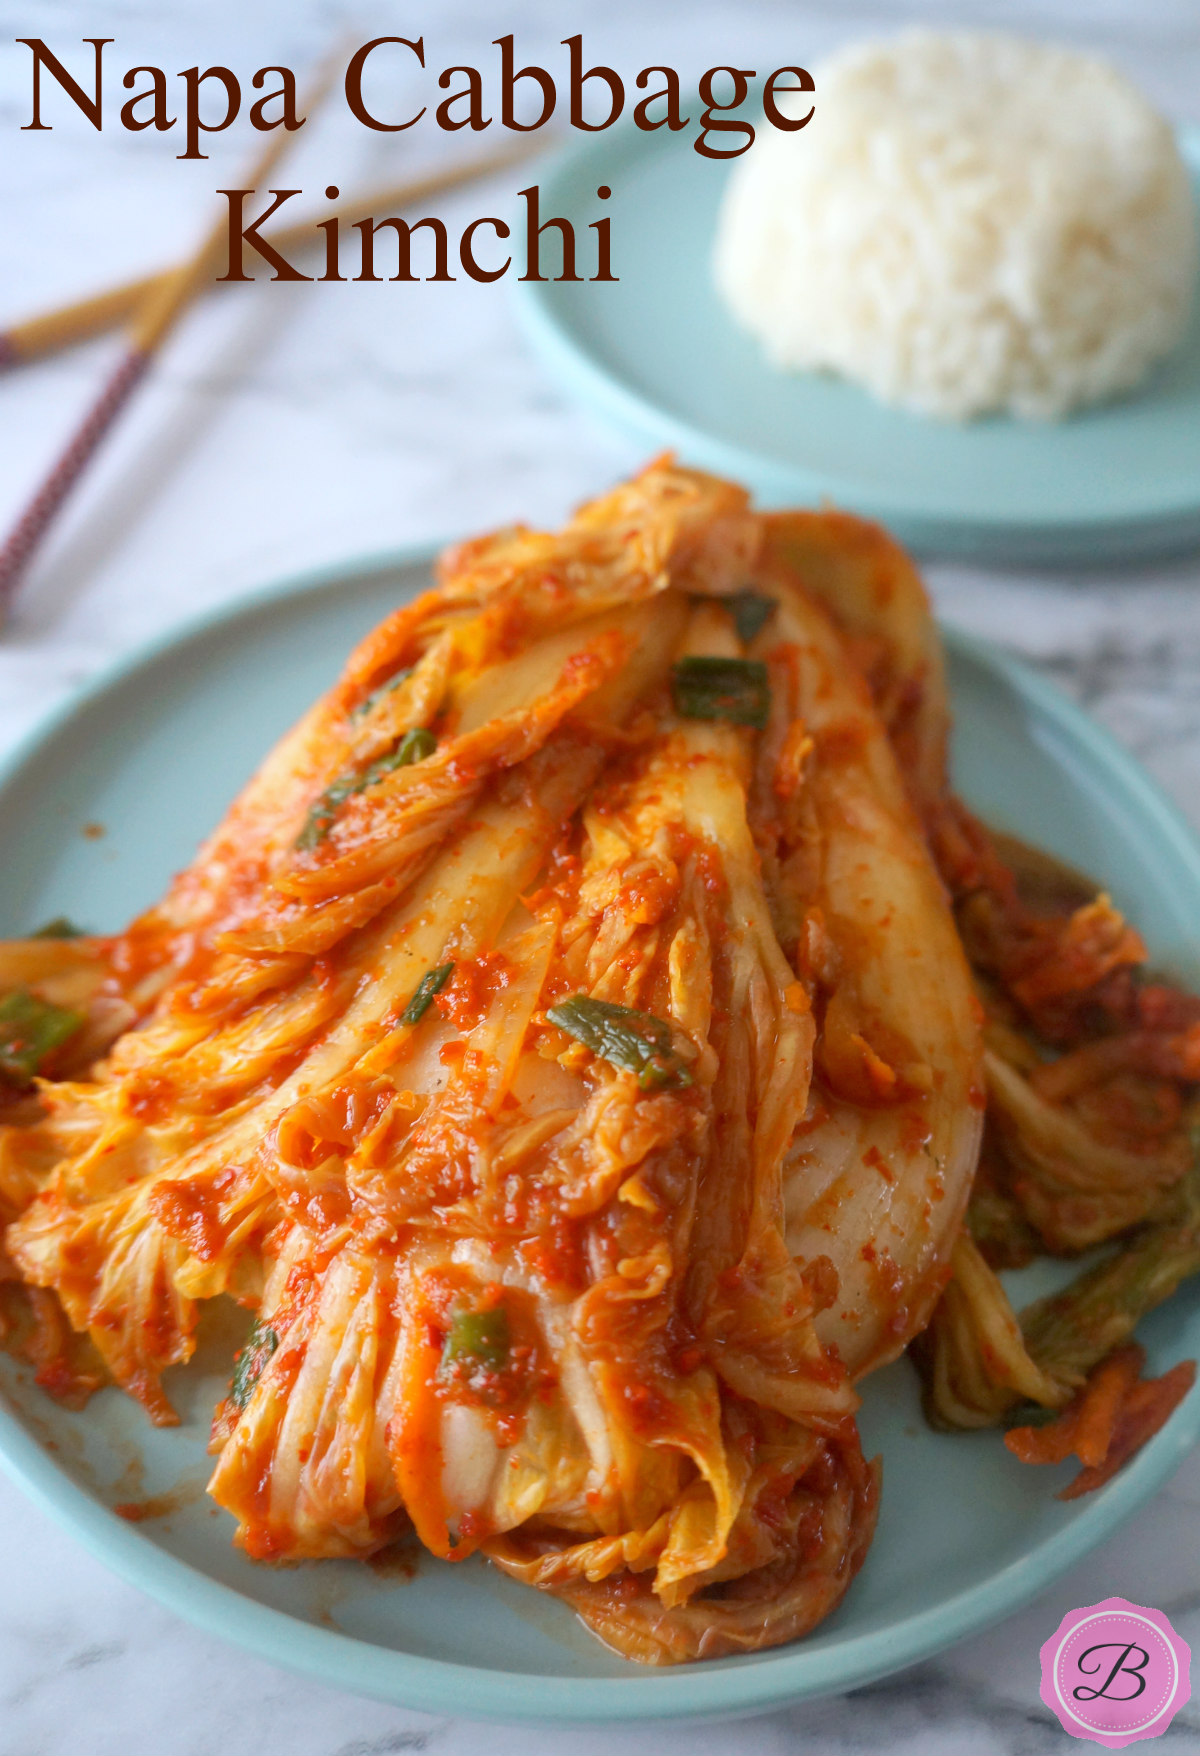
x=287 y=427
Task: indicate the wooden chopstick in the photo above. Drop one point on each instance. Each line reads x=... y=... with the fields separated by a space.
x=37 y=337
x=155 y=317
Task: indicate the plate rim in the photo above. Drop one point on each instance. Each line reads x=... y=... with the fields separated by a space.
x=1079 y=538
x=758 y=1684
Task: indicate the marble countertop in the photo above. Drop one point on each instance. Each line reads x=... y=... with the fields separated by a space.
x=286 y=427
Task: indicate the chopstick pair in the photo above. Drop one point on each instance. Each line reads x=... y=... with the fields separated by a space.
x=155 y=305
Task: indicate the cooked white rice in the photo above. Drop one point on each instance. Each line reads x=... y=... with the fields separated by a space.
x=969 y=223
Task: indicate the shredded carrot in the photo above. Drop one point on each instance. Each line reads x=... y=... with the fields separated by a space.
x=1146 y=1409
x=1103 y=1396
x=1108 y=1419
x=1052 y=1443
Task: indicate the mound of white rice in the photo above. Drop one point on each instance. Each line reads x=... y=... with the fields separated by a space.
x=969 y=223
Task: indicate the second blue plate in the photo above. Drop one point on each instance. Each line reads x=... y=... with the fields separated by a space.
x=657 y=354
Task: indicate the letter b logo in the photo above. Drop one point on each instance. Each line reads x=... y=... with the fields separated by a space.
x=1115 y=1672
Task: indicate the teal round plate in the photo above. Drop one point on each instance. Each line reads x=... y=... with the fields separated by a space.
x=152 y=754
x=658 y=355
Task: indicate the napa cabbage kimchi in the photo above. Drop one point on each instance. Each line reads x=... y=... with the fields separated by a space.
x=566 y=1055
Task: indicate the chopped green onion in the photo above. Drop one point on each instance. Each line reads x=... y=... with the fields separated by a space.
x=414 y=746
x=320 y=818
x=431 y=983
x=59 y=928
x=376 y=696
x=722 y=688
x=30 y=1031
x=477 y=1338
x=749 y=610
x=637 y=1041
x=251 y=1363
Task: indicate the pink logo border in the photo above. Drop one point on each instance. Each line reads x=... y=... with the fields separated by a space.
x=1171 y=1647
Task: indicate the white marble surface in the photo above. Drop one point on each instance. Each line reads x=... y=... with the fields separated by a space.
x=288 y=426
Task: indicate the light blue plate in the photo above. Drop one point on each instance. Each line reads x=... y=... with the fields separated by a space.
x=153 y=753
x=658 y=355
